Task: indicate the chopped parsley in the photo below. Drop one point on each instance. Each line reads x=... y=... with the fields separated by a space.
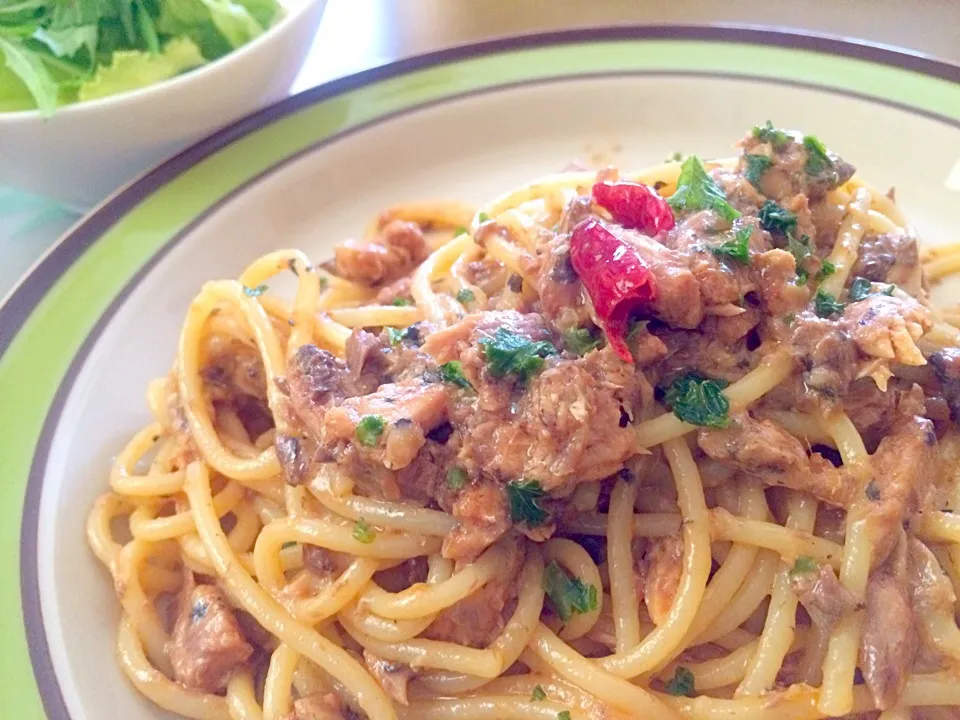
x=827 y=269
x=465 y=295
x=696 y=190
x=861 y=288
x=817 y=159
x=825 y=304
x=564 y=715
x=675 y=156
x=872 y=491
x=756 y=166
x=699 y=400
x=776 y=219
x=636 y=327
x=507 y=353
x=523 y=497
x=803 y=564
x=456 y=478
x=568 y=595
x=682 y=683
x=255 y=292
x=580 y=341
x=401 y=302
x=737 y=248
x=369 y=429
x=452 y=372
x=800 y=249
x=459 y=230
x=363 y=533
x=538 y=694
x=289 y=544
x=767 y=133
x=483 y=217
x=397 y=335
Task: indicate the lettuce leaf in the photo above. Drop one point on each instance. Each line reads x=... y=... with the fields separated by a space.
x=71 y=27
x=132 y=69
x=54 y=52
x=14 y=95
x=27 y=65
x=190 y=18
x=233 y=21
x=265 y=12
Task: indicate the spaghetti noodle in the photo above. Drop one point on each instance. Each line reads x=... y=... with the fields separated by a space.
x=678 y=443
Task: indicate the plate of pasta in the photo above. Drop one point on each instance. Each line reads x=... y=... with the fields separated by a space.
x=598 y=375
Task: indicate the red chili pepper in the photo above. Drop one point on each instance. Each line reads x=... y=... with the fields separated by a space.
x=615 y=276
x=635 y=206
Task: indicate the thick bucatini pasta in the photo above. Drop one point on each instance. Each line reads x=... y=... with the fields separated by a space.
x=679 y=443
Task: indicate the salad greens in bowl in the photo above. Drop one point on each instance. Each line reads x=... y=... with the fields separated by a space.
x=58 y=52
x=93 y=92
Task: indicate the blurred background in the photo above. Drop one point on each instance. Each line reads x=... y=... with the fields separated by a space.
x=355 y=35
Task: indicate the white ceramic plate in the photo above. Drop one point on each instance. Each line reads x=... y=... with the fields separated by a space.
x=98 y=318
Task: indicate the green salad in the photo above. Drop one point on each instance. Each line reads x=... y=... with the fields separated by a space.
x=56 y=52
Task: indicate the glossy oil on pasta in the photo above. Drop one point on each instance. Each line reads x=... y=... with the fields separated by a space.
x=676 y=443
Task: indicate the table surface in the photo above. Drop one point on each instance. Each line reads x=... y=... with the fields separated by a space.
x=358 y=34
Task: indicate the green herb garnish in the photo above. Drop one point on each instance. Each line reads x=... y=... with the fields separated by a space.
x=861 y=288
x=401 y=302
x=699 y=400
x=57 y=52
x=756 y=166
x=508 y=353
x=800 y=249
x=803 y=564
x=369 y=430
x=465 y=295
x=363 y=533
x=737 y=248
x=636 y=327
x=696 y=190
x=452 y=372
x=769 y=134
x=254 y=292
x=395 y=335
x=568 y=595
x=825 y=304
x=483 y=217
x=459 y=230
x=682 y=683
x=564 y=715
x=456 y=478
x=580 y=341
x=776 y=219
x=817 y=159
x=523 y=497
x=827 y=269
x=538 y=694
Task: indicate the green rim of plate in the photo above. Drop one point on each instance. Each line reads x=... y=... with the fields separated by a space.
x=46 y=321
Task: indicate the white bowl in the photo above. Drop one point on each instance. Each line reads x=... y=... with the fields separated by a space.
x=86 y=151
